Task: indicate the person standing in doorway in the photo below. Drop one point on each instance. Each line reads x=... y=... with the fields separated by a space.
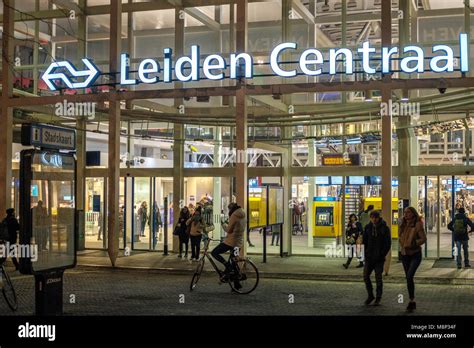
x=411 y=237
x=143 y=217
x=461 y=237
x=13 y=227
x=377 y=242
x=197 y=227
x=275 y=234
x=353 y=232
x=121 y=222
x=157 y=221
x=181 y=232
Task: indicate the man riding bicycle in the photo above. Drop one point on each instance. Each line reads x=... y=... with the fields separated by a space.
x=235 y=236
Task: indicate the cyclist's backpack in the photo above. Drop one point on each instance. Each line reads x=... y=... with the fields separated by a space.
x=4 y=231
x=459 y=227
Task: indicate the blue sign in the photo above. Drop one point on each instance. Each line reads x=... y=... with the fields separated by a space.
x=48 y=137
x=34 y=191
x=310 y=63
x=324 y=199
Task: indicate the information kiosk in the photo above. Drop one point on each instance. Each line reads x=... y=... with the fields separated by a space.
x=48 y=218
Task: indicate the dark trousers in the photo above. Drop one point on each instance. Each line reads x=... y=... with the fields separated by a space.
x=220 y=249
x=369 y=267
x=195 y=246
x=465 y=246
x=183 y=240
x=410 y=265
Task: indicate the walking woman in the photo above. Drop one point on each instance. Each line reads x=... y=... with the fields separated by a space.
x=353 y=232
x=181 y=231
x=411 y=236
x=197 y=228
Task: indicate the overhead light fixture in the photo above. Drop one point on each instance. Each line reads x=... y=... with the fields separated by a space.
x=325 y=7
x=203 y=99
x=405 y=95
x=368 y=95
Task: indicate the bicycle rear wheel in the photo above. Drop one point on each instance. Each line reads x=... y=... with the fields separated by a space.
x=247 y=279
x=8 y=291
x=197 y=274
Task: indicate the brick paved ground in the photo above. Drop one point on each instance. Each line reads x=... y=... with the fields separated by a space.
x=141 y=292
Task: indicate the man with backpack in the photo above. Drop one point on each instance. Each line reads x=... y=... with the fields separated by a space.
x=461 y=237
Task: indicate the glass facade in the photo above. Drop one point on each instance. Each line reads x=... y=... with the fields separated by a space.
x=327 y=141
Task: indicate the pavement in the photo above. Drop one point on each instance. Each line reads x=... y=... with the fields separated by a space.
x=93 y=291
x=294 y=267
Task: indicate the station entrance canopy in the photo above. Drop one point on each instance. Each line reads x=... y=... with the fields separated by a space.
x=311 y=62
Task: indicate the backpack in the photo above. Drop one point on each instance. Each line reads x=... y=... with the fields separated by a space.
x=459 y=227
x=4 y=235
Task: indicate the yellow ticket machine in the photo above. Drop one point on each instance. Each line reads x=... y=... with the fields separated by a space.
x=257 y=207
x=377 y=203
x=327 y=217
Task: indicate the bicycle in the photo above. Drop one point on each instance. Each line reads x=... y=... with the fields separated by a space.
x=8 y=290
x=243 y=280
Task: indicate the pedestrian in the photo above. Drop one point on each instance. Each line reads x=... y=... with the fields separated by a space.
x=197 y=227
x=364 y=218
x=411 y=237
x=275 y=234
x=157 y=221
x=143 y=217
x=12 y=226
x=248 y=237
x=377 y=242
x=121 y=221
x=461 y=237
x=181 y=232
x=353 y=232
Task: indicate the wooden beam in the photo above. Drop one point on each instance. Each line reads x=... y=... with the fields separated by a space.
x=6 y=120
x=113 y=181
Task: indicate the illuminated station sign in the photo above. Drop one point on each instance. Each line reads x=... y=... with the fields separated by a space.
x=311 y=62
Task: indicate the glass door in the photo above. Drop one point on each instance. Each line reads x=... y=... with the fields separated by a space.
x=95 y=208
x=447 y=199
x=142 y=214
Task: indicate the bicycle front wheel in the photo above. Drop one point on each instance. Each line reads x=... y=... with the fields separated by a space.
x=247 y=278
x=8 y=291
x=197 y=274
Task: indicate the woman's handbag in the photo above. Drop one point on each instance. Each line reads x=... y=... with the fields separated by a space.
x=350 y=240
x=176 y=230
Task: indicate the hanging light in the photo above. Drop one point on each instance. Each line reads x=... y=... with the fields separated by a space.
x=368 y=95
x=405 y=95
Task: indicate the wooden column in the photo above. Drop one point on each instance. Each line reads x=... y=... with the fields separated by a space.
x=241 y=114
x=178 y=134
x=113 y=182
x=386 y=122
x=80 y=130
x=6 y=120
x=287 y=156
